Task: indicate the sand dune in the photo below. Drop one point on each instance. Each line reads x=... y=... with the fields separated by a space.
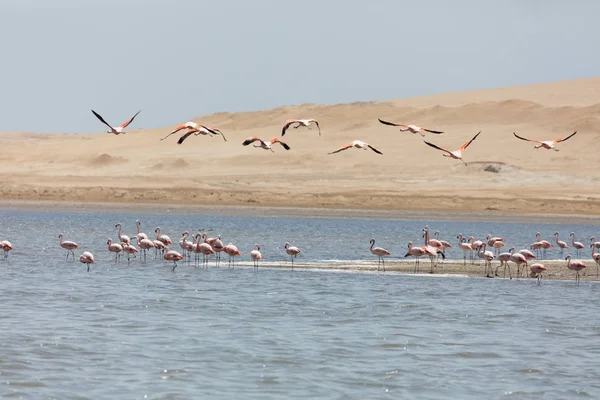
x=504 y=175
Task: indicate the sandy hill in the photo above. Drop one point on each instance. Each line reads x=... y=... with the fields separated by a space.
x=504 y=174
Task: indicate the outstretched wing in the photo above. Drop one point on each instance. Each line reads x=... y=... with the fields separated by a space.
x=431 y=131
x=390 y=123
x=344 y=147
x=528 y=140
x=317 y=124
x=437 y=147
x=285 y=145
x=102 y=120
x=251 y=139
x=128 y=122
x=186 y=135
x=286 y=125
x=374 y=149
x=217 y=131
x=565 y=138
x=464 y=146
x=180 y=127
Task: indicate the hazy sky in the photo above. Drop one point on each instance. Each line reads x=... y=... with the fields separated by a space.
x=179 y=59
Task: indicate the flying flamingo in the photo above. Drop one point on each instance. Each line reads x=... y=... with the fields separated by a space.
x=118 y=129
x=232 y=251
x=380 y=252
x=123 y=238
x=578 y=245
x=359 y=144
x=292 y=251
x=86 y=258
x=456 y=154
x=298 y=123
x=69 y=246
x=596 y=258
x=163 y=238
x=172 y=255
x=265 y=145
x=465 y=247
x=416 y=252
x=114 y=248
x=410 y=128
x=140 y=235
x=547 y=144
x=575 y=266
x=560 y=243
x=487 y=256
x=6 y=246
x=537 y=271
x=256 y=255
x=196 y=129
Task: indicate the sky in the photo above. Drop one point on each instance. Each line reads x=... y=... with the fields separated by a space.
x=179 y=59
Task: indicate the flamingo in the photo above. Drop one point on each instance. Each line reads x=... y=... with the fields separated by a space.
x=416 y=252
x=265 y=145
x=145 y=244
x=204 y=248
x=298 y=123
x=158 y=247
x=114 y=248
x=217 y=245
x=140 y=235
x=578 y=245
x=560 y=243
x=69 y=246
x=456 y=154
x=594 y=243
x=292 y=251
x=163 y=238
x=232 y=251
x=596 y=258
x=491 y=240
x=116 y=130
x=544 y=244
x=536 y=271
x=488 y=256
x=432 y=251
x=498 y=244
x=122 y=238
x=547 y=144
x=196 y=129
x=172 y=255
x=465 y=247
x=129 y=249
x=575 y=266
x=528 y=254
x=504 y=258
x=518 y=259
x=183 y=242
x=86 y=258
x=380 y=252
x=256 y=255
x=410 y=128
x=6 y=247
x=359 y=144
x=475 y=244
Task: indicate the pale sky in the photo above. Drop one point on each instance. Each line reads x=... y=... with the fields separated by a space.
x=179 y=59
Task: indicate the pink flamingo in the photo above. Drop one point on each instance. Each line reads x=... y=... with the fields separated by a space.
x=560 y=243
x=6 y=247
x=129 y=249
x=118 y=129
x=256 y=255
x=596 y=258
x=544 y=244
x=203 y=248
x=432 y=251
x=498 y=244
x=183 y=243
x=456 y=154
x=163 y=238
x=518 y=259
x=265 y=145
x=491 y=240
x=594 y=243
x=528 y=254
x=504 y=258
x=546 y=144
x=86 y=258
x=475 y=245
x=359 y=144
x=114 y=248
x=122 y=238
x=380 y=252
x=410 y=128
x=536 y=271
x=69 y=246
x=298 y=123
x=578 y=245
x=158 y=247
x=465 y=247
x=196 y=129
x=293 y=251
x=145 y=244
x=140 y=235
x=232 y=251
x=416 y=252
x=575 y=266
x=487 y=256
x=172 y=255
x=217 y=245
x=444 y=243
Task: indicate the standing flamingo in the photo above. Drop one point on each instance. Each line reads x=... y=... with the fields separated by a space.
x=536 y=271
x=594 y=243
x=596 y=258
x=562 y=245
x=578 y=245
x=292 y=251
x=518 y=259
x=444 y=243
x=416 y=252
x=544 y=244
x=487 y=256
x=575 y=266
x=163 y=238
x=380 y=252
x=140 y=235
x=69 y=246
x=232 y=251
x=86 y=258
x=159 y=247
x=129 y=249
x=504 y=259
x=256 y=255
x=123 y=238
x=528 y=254
x=6 y=247
x=114 y=248
x=432 y=251
x=475 y=245
x=172 y=255
x=183 y=243
x=145 y=244
x=465 y=247
x=217 y=245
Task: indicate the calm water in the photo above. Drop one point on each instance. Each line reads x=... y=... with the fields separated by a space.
x=143 y=331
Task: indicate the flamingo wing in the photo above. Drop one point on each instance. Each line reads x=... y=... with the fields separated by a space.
x=374 y=149
x=128 y=122
x=565 y=138
x=437 y=147
x=186 y=135
x=464 y=146
x=317 y=124
x=285 y=145
x=251 y=139
x=344 y=147
x=432 y=131
x=390 y=123
x=217 y=131
x=286 y=125
x=180 y=127
x=102 y=120
x=528 y=140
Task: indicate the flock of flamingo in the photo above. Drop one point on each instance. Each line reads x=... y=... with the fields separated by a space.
x=192 y=128
x=202 y=245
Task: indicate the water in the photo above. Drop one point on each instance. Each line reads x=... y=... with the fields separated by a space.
x=143 y=331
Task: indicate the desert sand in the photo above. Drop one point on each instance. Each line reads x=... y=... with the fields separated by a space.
x=504 y=175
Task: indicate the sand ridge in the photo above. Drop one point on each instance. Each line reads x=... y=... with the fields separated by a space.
x=504 y=175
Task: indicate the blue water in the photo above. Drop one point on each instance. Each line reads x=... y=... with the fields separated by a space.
x=142 y=331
